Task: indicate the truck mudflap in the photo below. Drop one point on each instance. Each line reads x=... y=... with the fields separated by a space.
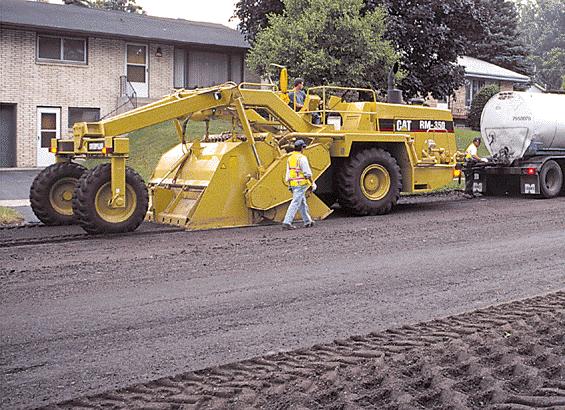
x=530 y=184
x=479 y=182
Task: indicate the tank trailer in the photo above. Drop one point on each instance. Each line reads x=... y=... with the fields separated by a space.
x=525 y=136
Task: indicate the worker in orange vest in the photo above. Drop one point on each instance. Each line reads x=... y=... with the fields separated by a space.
x=299 y=179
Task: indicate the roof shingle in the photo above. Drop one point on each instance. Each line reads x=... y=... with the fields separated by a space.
x=482 y=69
x=76 y=19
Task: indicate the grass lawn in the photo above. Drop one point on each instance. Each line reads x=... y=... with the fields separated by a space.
x=464 y=137
x=9 y=216
x=148 y=144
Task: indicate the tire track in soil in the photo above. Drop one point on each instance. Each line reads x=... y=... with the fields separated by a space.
x=509 y=356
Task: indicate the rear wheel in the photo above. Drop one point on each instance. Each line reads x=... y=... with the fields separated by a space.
x=51 y=193
x=369 y=182
x=551 y=179
x=91 y=202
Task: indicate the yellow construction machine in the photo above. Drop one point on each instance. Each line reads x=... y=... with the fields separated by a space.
x=363 y=154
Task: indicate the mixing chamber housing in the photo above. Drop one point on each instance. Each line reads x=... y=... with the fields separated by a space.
x=515 y=125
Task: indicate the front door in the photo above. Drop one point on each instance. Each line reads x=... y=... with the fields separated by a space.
x=136 y=68
x=48 y=126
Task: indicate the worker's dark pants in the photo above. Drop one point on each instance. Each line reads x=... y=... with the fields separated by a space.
x=468 y=172
x=469 y=182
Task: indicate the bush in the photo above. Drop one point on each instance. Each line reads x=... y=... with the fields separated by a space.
x=479 y=101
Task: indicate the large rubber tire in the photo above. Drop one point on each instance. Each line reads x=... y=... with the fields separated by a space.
x=551 y=179
x=51 y=193
x=90 y=202
x=369 y=182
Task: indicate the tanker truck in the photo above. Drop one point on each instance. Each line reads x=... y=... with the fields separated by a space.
x=525 y=136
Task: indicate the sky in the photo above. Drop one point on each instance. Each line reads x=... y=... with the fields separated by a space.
x=211 y=11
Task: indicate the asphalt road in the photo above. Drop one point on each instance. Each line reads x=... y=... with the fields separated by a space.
x=88 y=316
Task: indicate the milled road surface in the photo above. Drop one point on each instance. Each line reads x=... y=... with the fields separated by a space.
x=84 y=317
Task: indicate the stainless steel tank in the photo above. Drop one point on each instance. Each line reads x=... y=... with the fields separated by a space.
x=512 y=120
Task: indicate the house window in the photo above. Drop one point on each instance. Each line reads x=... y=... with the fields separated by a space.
x=77 y=114
x=64 y=49
x=472 y=87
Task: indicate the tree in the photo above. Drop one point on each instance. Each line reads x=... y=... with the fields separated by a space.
x=499 y=40
x=426 y=34
x=542 y=24
x=479 y=102
x=429 y=35
x=252 y=15
x=129 y=6
x=328 y=42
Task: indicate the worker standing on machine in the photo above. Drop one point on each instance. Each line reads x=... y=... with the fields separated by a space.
x=297 y=95
x=471 y=158
x=299 y=179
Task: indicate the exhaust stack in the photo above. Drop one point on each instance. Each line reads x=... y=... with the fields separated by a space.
x=393 y=95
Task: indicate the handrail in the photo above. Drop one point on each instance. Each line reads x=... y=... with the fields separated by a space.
x=336 y=87
x=244 y=85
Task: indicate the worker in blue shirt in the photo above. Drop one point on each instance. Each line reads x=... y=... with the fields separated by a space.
x=297 y=95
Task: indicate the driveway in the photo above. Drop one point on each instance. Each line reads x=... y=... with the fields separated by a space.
x=14 y=190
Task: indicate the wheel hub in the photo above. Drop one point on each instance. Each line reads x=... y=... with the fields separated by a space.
x=107 y=212
x=550 y=178
x=61 y=196
x=375 y=182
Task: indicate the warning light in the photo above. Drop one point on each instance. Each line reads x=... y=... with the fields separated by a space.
x=531 y=171
x=456 y=173
x=53 y=150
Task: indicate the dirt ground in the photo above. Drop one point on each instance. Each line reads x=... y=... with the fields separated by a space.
x=94 y=317
x=507 y=357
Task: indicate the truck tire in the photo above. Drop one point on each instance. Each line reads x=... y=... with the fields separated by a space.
x=92 y=196
x=551 y=179
x=369 y=182
x=51 y=193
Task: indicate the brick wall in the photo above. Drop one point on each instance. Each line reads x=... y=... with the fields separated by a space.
x=31 y=84
x=457 y=101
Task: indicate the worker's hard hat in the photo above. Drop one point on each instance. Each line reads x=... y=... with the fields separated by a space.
x=299 y=144
x=477 y=139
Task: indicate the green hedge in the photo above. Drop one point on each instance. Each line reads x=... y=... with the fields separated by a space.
x=479 y=101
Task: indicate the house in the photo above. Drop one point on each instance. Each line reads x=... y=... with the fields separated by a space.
x=60 y=64
x=479 y=73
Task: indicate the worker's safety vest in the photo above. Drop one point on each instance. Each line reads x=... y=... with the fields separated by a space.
x=296 y=176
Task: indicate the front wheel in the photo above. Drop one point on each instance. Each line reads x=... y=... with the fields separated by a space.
x=51 y=193
x=369 y=182
x=91 y=202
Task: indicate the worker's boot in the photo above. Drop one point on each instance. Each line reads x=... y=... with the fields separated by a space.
x=288 y=226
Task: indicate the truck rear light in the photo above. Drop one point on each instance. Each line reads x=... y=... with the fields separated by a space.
x=530 y=171
x=107 y=150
